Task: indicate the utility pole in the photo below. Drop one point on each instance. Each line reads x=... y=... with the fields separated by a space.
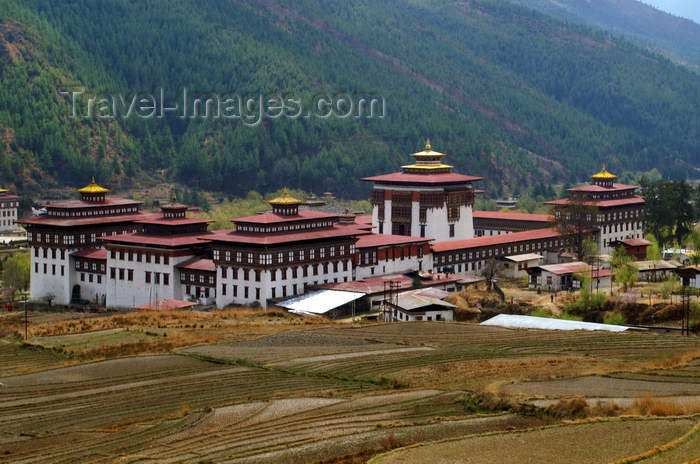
x=26 y=321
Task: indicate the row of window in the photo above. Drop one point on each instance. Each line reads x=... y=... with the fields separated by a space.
x=10 y=213
x=91 y=277
x=46 y=269
x=283 y=228
x=139 y=256
x=201 y=278
x=89 y=266
x=492 y=252
x=149 y=277
x=283 y=256
x=284 y=273
x=622 y=227
x=90 y=212
x=45 y=252
x=9 y=204
x=70 y=239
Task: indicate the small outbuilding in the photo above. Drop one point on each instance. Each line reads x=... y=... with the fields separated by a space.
x=424 y=304
x=516 y=266
x=635 y=247
x=558 y=277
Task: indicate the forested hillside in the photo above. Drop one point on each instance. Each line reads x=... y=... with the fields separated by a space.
x=508 y=93
x=678 y=37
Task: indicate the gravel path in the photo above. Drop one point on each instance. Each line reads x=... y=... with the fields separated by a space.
x=303 y=339
x=361 y=354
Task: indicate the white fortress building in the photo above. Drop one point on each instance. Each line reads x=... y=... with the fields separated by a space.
x=105 y=251
x=73 y=227
x=8 y=210
x=620 y=211
x=425 y=199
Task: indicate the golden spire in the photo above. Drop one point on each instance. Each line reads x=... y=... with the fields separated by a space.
x=285 y=199
x=603 y=175
x=427 y=145
x=93 y=188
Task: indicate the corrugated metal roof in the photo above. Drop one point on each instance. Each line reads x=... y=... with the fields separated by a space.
x=566 y=268
x=657 y=265
x=523 y=257
x=412 y=301
x=319 y=302
x=530 y=322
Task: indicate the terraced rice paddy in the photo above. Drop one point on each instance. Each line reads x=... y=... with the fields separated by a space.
x=599 y=442
x=16 y=358
x=317 y=393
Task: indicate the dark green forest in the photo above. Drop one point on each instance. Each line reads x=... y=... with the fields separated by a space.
x=508 y=93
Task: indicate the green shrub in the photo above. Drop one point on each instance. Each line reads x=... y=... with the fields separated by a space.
x=541 y=312
x=614 y=319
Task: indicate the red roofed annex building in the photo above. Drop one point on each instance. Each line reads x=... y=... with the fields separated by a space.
x=620 y=211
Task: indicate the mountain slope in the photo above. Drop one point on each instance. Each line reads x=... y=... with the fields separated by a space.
x=634 y=19
x=508 y=93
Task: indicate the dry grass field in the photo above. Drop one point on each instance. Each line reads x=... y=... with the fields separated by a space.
x=251 y=386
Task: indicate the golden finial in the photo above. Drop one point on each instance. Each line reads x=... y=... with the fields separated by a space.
x=174 y=197
x=427 y=145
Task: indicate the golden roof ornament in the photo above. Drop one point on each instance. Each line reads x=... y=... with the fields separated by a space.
x=427 y=145
x=93 y=188
x=285 y=199
x=603 y=175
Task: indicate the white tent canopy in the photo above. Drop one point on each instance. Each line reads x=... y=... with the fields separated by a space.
x=530 y=322
x=319 y=302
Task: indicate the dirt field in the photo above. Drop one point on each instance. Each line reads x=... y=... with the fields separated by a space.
x=599 y=442
x=259 y=387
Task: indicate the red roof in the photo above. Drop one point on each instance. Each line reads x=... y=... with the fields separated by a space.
x=160 y=220
x=198 y=264
x=636 y=242
x=598 y=188
x=566 y=268
x=91 y=253
x=8 y=197
x=168 y=304
x=437 y=178
x=276 y=238
x=73 y=204
x=377 y=240
x=364 y=219
x=512 y=216
x=55 y=221
x=270 y=218
x=633 y=200
x=170 y=241
x=505 y=239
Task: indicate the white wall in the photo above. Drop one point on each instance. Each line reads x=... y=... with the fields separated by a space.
x=43 y=284
x=266 y=283
x=125 y=293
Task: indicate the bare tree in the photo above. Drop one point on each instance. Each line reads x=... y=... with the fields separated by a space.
x=489 y=271
x=575 y=221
